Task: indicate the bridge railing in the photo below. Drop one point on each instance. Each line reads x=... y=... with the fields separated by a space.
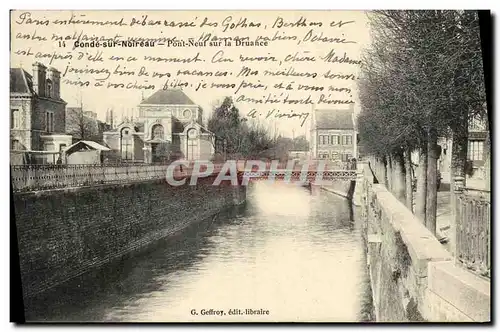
x=473 y=230
x=43 y=177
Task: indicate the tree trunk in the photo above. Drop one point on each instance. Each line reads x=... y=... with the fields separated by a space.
x=408 y=178
x=420 y=201
x=384 y=171
x=432 y=159
x=399 y=177
x=389 y=173
x=459 y=147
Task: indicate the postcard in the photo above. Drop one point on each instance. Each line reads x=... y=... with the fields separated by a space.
x=250 y=166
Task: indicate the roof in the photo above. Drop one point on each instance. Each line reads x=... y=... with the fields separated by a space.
x=20 y=81
x=168 y=97
x=90 y=145
x=334 y=119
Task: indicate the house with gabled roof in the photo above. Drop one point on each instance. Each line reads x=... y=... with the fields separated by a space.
x=333 y=134
x=37 y=111
x=169 y=122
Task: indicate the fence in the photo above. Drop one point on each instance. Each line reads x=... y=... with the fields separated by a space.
x=473 y=233
x=42 y=177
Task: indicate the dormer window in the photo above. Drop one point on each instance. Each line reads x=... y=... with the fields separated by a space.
x=49 y=88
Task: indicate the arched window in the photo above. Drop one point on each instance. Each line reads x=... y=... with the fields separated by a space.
x=192 y=143
x=187 y=114
x=157 y=132
x=15 y=121
x=126 y=144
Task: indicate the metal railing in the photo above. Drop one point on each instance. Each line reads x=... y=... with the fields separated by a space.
x=473 y=233
x=44 y=177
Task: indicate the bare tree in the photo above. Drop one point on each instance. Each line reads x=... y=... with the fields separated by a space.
x=81 y=126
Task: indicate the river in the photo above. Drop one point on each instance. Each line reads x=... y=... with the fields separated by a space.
x=296 y=255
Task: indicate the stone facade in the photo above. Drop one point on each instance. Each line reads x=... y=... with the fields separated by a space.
x=169 y=123
x=65 y=233
x=413 y=277
x=37 y=111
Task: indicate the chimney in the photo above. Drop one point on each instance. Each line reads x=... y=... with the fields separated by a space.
x=39 y=79
x=54 y=75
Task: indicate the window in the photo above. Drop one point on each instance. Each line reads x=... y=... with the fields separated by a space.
x=49 y=122
x=49 y=88
x=187 y=114
x=126 y=144
x=157 y=131
x=324 y=139
x=335 y=139
x=323 y=155
x=14 y=145
x=191 y=144
x=475 y=151
x=15 y=121
x=347 y=139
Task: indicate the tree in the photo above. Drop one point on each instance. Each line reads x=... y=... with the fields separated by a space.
x=225 y=124
x=235 y=135
x=300 y=143
x=422 y=78
x=81 y=126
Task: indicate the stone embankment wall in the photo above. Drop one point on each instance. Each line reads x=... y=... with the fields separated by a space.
x=413 y=277
x=65 y=233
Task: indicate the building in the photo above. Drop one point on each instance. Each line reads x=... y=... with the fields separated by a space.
x=333 y=134
x=37 y=111
x=84 y=153
x=477 y=152
x=169 y=123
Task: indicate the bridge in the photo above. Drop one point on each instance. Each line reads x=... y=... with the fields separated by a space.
x=44 y=177
x=302 y=175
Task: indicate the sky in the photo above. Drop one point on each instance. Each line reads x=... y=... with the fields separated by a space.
x=29 y=27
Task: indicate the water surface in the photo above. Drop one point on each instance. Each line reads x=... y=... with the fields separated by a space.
x=296 y=255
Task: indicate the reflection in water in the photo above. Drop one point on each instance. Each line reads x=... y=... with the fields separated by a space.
x=296 y=255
